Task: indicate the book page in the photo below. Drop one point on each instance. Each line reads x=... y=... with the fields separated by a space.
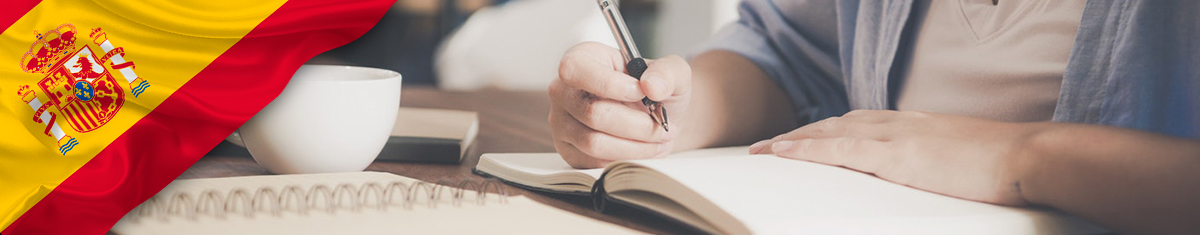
x=449 y=213
x=545 y=171
x=769 y=194
x=552 y=163
x=538 y=164
x=549 y=171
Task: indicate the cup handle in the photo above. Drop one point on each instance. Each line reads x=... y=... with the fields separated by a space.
x=235 y=139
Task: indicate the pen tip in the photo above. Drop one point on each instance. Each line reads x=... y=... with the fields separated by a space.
x=658 y=114
x=663 y=112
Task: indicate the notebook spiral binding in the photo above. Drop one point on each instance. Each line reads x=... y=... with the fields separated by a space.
x=315 y=198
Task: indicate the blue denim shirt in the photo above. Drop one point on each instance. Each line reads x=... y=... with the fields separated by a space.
x=1135 y=63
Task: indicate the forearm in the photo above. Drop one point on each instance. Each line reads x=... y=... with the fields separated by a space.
x=1131 y=181
x=733 y=103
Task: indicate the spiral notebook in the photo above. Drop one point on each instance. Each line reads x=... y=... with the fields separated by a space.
x=347 y=203
x=727 y=191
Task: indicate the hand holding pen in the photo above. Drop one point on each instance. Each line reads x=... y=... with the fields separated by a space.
x=597 y=112
x=635 y=65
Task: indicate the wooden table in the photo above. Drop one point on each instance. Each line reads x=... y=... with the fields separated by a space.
x=508 y=122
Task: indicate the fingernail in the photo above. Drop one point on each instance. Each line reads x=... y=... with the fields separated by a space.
x=757 y=147
x=782 y=146
x=633 y=92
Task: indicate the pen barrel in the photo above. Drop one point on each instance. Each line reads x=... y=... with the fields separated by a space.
x=620 y=31
x=635 y=68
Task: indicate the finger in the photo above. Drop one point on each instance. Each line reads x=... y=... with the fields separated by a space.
x=870 y=115
x=599 y=144
x=666 y=77
x=760 y=147
x=628 y=120
x=578 y=159
x=854 y=153
x=597 y=69
x=835 y=127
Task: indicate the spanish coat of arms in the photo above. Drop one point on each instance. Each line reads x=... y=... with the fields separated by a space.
x=79 y=81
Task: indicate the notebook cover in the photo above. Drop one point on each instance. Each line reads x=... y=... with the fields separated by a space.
x=430 y=135
x=421 y=149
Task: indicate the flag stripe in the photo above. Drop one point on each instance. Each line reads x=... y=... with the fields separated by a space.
x=73 y=116
x=84 y=119
x=82 y=111
x=94 y=197
x=93 y=108
x=91 y=113
x=66 y=115
x=13 y=10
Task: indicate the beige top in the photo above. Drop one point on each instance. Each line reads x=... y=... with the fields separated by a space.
x=1002 y=62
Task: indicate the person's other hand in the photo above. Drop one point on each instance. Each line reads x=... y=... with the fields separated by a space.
x=959 y=156
x=596 y=112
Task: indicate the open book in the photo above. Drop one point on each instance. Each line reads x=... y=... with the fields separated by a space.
x=726 y=191
x=347 y=203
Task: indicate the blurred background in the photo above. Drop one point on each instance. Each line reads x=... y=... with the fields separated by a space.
x=516 y=44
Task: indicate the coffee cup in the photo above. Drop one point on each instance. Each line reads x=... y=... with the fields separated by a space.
x=327 y=119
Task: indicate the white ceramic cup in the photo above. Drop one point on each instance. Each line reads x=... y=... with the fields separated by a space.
x=328 y=119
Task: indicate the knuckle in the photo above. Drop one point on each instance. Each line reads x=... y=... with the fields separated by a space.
x=802 y=147
x=589 y=143
x=856 y=112
x=583 y=102
x=558 y=123
x=571 y=127
x=590 y=107
x=588 y=45
x=827 y=126
x=568 y=66
x=594 y=114
x=845 y=146
x=913 y=114
x=556 y=89
x=579 y=48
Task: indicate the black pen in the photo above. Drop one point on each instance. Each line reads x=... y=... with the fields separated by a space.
x=634 y=63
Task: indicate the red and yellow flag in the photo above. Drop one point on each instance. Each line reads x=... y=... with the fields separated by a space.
x=104 y=102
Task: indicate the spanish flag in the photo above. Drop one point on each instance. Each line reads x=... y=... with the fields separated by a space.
x=105 y=102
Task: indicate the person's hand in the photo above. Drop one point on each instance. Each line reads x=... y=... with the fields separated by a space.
x=958 y=156
x=596 y=112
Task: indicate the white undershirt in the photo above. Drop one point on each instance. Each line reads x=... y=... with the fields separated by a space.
x=1002 y=62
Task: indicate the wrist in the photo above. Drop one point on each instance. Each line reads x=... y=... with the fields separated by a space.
x=1039 y=148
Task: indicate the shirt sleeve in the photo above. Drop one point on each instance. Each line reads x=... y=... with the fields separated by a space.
x=796 y=44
